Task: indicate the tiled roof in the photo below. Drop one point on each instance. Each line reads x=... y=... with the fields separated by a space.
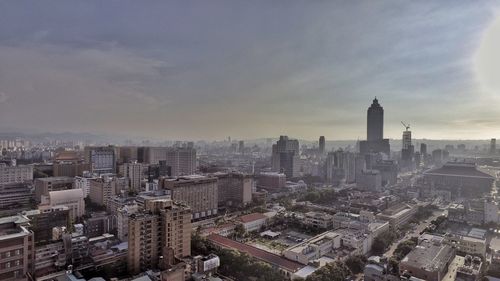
x=252 y=217
x=259 y=254
x=457 y=170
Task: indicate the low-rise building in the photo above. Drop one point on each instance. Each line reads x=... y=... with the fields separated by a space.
x=428 y=261
x=314 y=248
x=398 y=215
x=318 y=220
x=72 y=198
x=253 y=222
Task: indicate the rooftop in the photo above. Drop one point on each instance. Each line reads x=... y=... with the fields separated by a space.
x=429 y=256
x=252 y=217
x=459 y=169
x=262 y=255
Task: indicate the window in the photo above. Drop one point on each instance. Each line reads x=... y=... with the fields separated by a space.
x=7 y=254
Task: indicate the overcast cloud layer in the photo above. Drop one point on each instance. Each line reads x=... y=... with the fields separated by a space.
x=210 y=69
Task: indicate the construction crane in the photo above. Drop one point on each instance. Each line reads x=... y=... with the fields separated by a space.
x=407 y=126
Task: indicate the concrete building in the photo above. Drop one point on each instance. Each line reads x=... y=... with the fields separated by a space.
x=158 y=235
x=234 y=189
x=69 y=168
x=369 y=180
x=286 y=156
x=102 y=160
x=398 y=215
x=101 y=189
x=182 y=161
x=253 y=222
x=318 y=220
x=198 y=192
x=461 y=179
x=72 y=198
x=83 y=182
x=428 y=261
x=314 y=248
x=271 y=180
x=134 y=171
x=388 y=171
x=15 y=195
x=16 y=248
x=44 y=219
x=152 y=155
x=122 y=217
x=15 y=174
x=44 y=185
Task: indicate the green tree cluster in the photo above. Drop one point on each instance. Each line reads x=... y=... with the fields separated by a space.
x=335 y=271
x=404 y=248
x=382 y=242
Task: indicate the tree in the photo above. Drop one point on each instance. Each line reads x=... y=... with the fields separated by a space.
x=335 y=271
x=356 y=264
x=404 y=248
x=239 y=231
x=382 y=242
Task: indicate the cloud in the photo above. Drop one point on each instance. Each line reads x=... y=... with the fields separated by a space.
x=250 y=69
x=3 y=97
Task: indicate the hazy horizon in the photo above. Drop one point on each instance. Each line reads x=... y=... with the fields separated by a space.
x=178 y=70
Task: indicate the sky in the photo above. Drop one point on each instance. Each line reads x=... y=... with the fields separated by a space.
x=248 y=69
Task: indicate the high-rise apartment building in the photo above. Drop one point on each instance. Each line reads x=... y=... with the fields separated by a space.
x=159 y=235
x=17 y=248
x=198 y=192
x=286 y=156
x=340 y=165
x=135 y=173
x=102 y=160
x=182 y=161
x=493 y=146
x=101 y=189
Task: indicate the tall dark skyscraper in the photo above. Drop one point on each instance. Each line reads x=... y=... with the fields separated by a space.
x=375 y=122
x=321 y=144
x=375 y=141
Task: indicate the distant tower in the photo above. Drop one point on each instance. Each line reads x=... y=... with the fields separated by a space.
x=423 y=149
x=375 y=122
x=322 y=144
x=241 y=147
x=493 y=146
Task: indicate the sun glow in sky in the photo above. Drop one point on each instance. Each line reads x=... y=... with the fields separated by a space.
x=487 y=60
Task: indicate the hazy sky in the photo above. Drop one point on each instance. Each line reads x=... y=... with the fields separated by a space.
x=247 y=69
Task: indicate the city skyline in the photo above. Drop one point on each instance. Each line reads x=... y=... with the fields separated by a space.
x=298 y=70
